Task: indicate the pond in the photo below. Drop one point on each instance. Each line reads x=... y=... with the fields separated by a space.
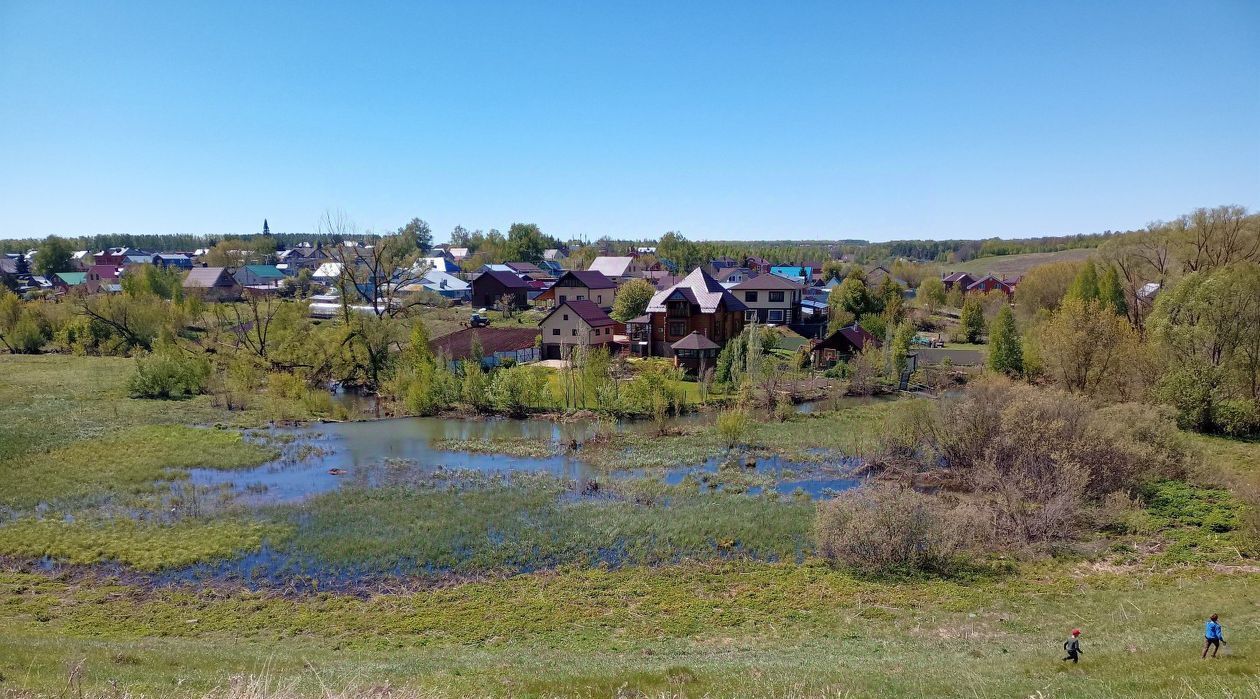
x=375 y=453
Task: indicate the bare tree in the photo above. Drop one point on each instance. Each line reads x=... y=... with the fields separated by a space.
x=375 y=274
x=1216 y=237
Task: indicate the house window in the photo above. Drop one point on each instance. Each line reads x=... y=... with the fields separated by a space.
x=750 y=296
x=575 y=332
x=566 y=316
x=562 y=298
x=555 y=331
x=750 y=316
x=776 y=316
x=580 y=297
x=776 y=296
x=676 y=329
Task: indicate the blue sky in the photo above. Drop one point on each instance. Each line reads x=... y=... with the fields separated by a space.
x=720 y=120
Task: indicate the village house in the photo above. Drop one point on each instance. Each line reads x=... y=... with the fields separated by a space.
x=988 y=283
x=697 y=303
x=575 y=323
x=489 y=288
x=962 y=280
x=842 y=345
x=619 y=269
x=770 y=299
x=497 y=345
x=799 y=274
x=730 y=276
x=102 y=279
x=259 y=275
x=445 y=285
x=213 y=284
x=582 y=285
x=65 y=281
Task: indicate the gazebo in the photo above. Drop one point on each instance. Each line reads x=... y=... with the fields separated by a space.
x=695 y=352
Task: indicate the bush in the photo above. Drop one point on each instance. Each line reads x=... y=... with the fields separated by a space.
x=733 y=426
x=166 y=374
x=1237 y=418
x=882 y=528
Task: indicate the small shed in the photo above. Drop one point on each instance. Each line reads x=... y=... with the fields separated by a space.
x=841 y=345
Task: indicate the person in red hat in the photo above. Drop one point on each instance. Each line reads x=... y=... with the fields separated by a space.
x=1073 y=647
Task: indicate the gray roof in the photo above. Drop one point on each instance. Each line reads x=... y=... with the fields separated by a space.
x=701 y=290
x=208 y=277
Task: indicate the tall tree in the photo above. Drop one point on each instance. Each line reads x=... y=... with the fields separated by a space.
x=932 y=293
x=1111 y=293
x=1006 y=354
x=53 y=256
x=1085 y=286
x=266 y=228
x=632 y=299
x=972 y=318
x=419 y=231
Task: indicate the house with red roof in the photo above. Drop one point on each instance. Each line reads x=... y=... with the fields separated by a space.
x=582 y=285
x=575 y=323
x=841 y=345
x=962 y=280
x=490 y=287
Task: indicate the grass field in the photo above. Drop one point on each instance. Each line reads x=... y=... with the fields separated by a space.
x=653 y=593
x=1016 y=265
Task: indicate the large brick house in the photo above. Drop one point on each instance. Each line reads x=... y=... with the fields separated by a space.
x=698 y=303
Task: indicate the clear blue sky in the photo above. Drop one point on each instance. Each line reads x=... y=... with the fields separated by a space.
x=720 y=120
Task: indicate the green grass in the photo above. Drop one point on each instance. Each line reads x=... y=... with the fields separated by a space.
x=728 y=629
x=129 y=462
x=145 y=546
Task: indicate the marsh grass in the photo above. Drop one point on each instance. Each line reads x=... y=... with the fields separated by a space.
x=529 y=448
x=531 y=523
x=145 y=546
x=127 y=462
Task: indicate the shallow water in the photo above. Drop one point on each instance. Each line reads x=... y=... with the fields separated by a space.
x=386 y=452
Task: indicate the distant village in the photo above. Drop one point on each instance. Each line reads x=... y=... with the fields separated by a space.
x=690 y=316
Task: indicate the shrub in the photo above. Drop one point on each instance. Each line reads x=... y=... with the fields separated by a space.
x=1237 y=417
x=166 y=374
x=733 y=425
x=881 y=528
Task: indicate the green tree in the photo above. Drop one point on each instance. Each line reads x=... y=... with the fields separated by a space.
x=1111 y=293
x=932 y=293
x=53 y=256
x=899 y=351
x=972 y=319
x=1085 y=286
x=526 y=243
x=419 y=231
x=632 y=299
x=266 y=228
x=1006 y=353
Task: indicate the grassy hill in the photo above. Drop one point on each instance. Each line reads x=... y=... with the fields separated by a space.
x=1016 y=265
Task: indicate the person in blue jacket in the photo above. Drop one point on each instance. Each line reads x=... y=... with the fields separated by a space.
x=1213 y=637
